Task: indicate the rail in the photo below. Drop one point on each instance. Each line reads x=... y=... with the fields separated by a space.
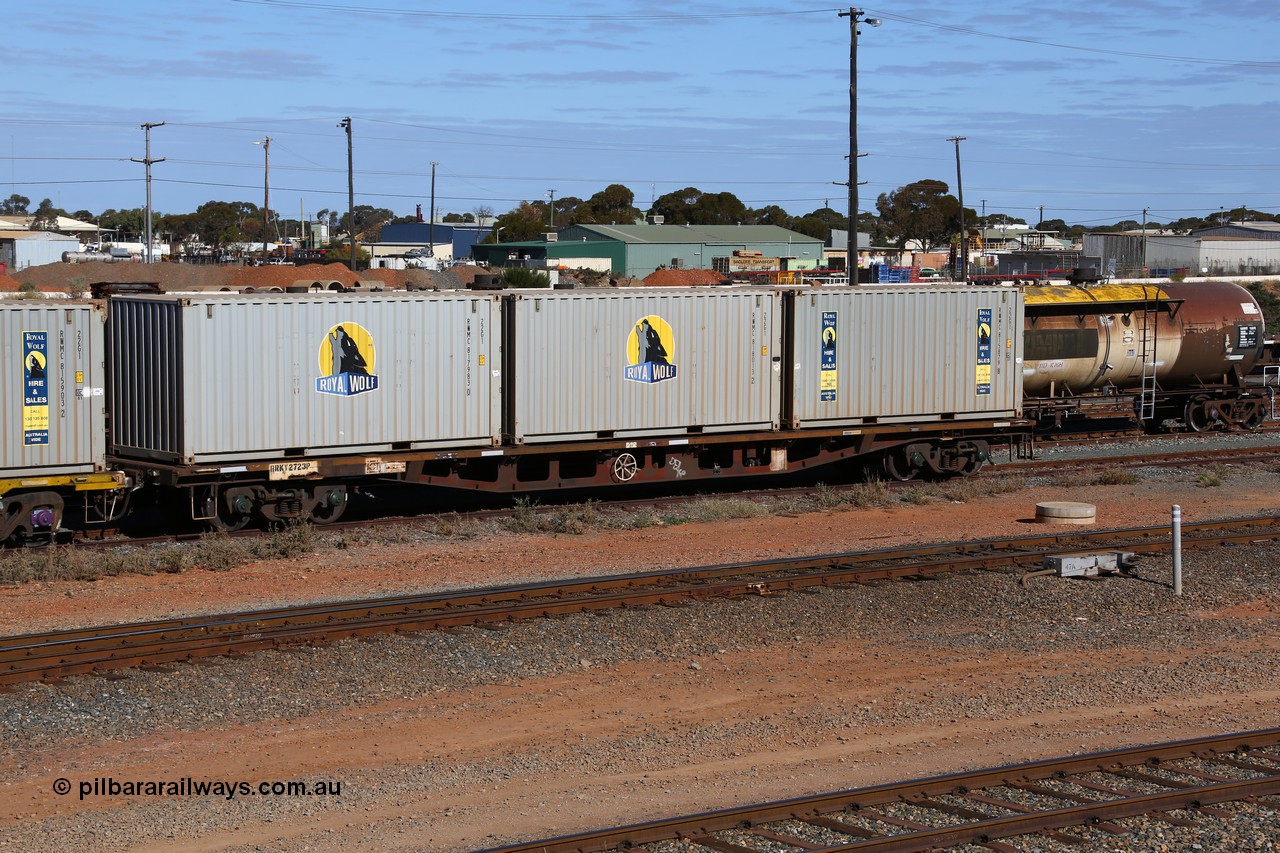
x=56 y=654
x=976 y=807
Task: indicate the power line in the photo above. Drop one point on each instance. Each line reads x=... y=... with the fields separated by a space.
x=512 y=16
x=1042 y=43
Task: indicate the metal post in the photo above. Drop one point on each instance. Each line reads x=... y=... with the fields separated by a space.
x=1177 y=550
x=148 y=161
x=964 y=261
x=551 y=211
x=1144 y=241
x=431 y=219
x=351 y=192
x=266 y=194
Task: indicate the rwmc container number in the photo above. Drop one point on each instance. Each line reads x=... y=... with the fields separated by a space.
x=291 y=470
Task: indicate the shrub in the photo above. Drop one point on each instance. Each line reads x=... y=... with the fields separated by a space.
x=525 y=277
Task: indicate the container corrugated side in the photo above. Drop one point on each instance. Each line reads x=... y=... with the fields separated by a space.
x=867 y=355
x=216 y=378
x=53 y=384
x=642 y=363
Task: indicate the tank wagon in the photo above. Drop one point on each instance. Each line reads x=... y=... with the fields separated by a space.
x=54 y=455
x=274 y=407
x=1175 y=353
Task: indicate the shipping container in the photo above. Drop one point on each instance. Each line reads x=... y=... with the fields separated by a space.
x=54 y=384
x=212 y=377
x=620 y=364
x=884 y=355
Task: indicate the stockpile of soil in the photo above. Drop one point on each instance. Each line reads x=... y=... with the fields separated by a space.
x=7 y=283
x=683 y=278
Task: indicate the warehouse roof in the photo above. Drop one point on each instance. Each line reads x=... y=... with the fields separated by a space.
x=699 y=234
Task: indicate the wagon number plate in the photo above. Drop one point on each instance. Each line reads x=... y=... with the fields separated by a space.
x=290 y=470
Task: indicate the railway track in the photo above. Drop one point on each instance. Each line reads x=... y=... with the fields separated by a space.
x=1067 y=800
x=57 y=654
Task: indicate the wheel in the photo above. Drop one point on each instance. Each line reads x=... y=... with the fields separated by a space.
x=330 y=505
x=224 y=518
x=624 y=468
x=973 y=466
x=899 y=467
x=1196 y=414
x=1253 y=420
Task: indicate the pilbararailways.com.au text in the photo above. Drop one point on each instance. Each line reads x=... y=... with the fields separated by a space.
x=188 y=787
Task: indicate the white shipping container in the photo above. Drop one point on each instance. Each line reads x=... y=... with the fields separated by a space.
x=214 y=378
x=635 y=363
x=55 y=389
x=884 y=355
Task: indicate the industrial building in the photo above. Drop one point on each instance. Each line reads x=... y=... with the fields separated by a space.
x=1237 y=248
x=635 y=251
x=22 y=249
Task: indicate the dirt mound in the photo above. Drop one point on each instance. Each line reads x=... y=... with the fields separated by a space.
x=185 y=277
x=683 y=278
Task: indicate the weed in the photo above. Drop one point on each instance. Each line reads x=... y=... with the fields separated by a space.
x=871 y=493
x=719 y=509
x=1116 y=477
x=964 y=489
x=827 y=497
x=1072 y=480
x=218 y=552
x=919 y=494
x=293 y=539
x=1208 y=480
x=524 y=517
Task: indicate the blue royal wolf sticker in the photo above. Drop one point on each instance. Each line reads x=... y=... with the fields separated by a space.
x=346 y=361
x=650 y=347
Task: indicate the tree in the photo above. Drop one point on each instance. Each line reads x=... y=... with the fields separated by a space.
x=770 y=215
x=525 y=222
x=131 y=222
x=922 y=212
x=483 y=212
x=613 y=205
x=676 y=208
x=221 y=222
x=46 y=216
x=15 y=204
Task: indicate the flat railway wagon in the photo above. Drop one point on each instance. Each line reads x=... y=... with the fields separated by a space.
x=1174 y=354
x=276 y=407
x=53 y=444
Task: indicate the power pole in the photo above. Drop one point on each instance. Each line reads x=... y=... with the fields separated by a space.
x=855 y=16
x=431 y=224
x=551 y=211
x=148 y=161
x=351 y=191
x=964 y=261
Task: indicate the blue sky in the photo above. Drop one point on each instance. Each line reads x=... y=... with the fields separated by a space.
x=1095 y=110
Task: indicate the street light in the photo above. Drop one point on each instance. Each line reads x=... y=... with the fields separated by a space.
x=855 y=16
x=351 y=191
x=964 y=261
x=265 y=142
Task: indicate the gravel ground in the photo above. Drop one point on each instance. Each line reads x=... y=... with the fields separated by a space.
x=455 y=741
x=1134 y=646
